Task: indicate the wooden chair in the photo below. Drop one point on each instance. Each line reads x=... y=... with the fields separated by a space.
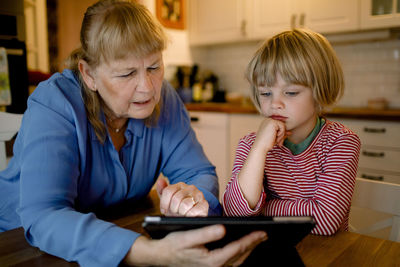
x=382 y=197
x=9 y=126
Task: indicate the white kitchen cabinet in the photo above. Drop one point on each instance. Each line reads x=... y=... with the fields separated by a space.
x=329 y=16
x=221 y=21
x=324 y=16
x=211 y=129
x=239 y=126
x=379 y=160
x=379 y=14
x=219 y=134
x=36 y=35
x=380 y=148
x=211 y=21
x=270 y=17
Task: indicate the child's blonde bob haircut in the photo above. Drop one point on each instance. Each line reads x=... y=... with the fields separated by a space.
x=301 y=57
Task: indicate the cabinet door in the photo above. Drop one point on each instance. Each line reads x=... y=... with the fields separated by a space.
x=379 y=159
x=268 y=17
x=239 y=126
x=211 y=130
x=375 y=133
x=378 y=175
x=36 y=35
x=326 y=16
x=218 y=21
x=380 y=14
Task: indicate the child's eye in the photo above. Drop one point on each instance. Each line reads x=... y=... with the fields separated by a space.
x=292 y=93
x=265 y=93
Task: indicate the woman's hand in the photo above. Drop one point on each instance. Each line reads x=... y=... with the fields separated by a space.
x=186 y=248
x=181 y=199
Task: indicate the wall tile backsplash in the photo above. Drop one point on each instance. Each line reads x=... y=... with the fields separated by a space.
x=372 y=69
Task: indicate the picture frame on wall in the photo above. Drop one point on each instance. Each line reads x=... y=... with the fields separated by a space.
x=171 y=13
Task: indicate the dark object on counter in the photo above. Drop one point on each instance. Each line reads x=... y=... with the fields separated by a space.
x=219 y=96
x=179 y=76
x=184 y=90
x=193 y=78
x=185 y=93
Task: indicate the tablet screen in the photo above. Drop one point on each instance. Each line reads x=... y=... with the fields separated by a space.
x=283 y=231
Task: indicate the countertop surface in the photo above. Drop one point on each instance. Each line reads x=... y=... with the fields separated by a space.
x=336 y=112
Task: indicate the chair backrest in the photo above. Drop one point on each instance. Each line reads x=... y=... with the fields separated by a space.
x=9 y=126
x=382 y=197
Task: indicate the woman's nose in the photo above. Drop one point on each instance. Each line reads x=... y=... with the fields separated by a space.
x=145 y=84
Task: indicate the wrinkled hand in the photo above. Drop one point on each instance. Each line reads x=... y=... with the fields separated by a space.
x=181 y=200
x=186 y=248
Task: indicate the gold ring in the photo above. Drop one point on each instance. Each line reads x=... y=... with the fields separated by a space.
x=194 y=202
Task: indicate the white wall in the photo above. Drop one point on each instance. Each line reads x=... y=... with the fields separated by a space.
x=371 y=68
x=178 y=52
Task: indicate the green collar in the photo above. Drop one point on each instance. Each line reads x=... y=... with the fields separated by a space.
x=299 y=148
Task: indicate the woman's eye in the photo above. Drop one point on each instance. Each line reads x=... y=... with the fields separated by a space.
x=154 y=68
x=127 y=75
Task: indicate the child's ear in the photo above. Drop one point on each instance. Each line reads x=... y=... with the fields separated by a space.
x=87 y=73
x=318 y=107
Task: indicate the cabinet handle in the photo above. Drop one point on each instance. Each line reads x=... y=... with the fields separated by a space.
x=243 y=27
x=373 y=154
x=372 y=177
x=302 y=19
x=293 y=21
x=194 y=119
x=374 y=130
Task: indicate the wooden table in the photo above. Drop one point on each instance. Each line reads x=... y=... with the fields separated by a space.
x=342 y=249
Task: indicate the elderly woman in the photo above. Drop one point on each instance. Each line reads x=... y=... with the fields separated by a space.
x=99 y=134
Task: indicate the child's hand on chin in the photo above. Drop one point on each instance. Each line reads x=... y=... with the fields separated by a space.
x=270 y=133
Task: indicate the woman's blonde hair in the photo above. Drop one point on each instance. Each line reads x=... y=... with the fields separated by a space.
x=301 y=57
x=111 y=30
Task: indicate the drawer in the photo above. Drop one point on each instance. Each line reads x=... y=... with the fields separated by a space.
x=378 y=176
x=379 y=159
x=211 y=130
x=209 y=119
x=375 y=133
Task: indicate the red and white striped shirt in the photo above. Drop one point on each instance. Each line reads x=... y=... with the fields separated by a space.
x=318 y=182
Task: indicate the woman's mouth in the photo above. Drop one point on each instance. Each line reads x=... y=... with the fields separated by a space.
x=141 y=103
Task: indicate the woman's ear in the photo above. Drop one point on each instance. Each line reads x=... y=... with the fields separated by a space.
x=87 y=74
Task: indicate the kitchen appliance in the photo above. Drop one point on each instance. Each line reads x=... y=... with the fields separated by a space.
x=12 y=38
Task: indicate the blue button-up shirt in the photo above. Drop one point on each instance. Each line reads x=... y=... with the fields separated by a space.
x=61 y=174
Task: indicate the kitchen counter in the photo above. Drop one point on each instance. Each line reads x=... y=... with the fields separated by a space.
x=337 y=112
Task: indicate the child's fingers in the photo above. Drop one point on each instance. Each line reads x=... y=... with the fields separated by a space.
x=280 y=134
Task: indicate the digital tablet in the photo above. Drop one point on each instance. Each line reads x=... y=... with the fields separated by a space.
x=282 y=231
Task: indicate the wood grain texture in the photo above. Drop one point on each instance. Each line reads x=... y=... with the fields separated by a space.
x=342 y=249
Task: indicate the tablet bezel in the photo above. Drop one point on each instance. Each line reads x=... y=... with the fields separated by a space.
x=281 y=230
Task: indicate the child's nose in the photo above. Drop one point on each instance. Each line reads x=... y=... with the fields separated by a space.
x=277 y=102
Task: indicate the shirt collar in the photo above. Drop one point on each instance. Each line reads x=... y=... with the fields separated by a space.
x=135 y=127
x=301 y=147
